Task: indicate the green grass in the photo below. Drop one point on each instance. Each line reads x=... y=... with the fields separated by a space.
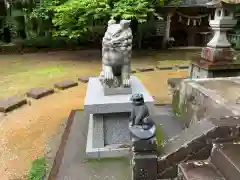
x=38 y=169
x=159 y=135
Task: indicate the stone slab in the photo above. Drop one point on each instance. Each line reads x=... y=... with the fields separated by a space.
x=97 y=103
x=92 y=152
x=181 y=67
x=199 y=170
x=83 y=79
x=117 y=91
x=65 y=84
x=116 y=130
x=147 y=69
x=164 y=68
x=226 y=158
x=11 y=103
x=37 y=93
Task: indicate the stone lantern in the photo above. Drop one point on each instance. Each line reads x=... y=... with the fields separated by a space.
x=217 y=58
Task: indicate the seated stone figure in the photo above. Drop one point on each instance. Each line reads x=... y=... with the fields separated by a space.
x=116 y=54
x=141 y=125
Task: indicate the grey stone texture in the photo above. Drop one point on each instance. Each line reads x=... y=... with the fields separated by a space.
x=106 y=138
x=204 y=98
x=96 y=102
x=117 y=91
x=37 y=93
x=226 y=158
x=65 y=84
x=11 y=103
x=202 y=170
x=74 y=164
x=116 y=129
x=144 y=166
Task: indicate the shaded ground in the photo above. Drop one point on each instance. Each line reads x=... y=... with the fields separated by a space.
x=25 y=132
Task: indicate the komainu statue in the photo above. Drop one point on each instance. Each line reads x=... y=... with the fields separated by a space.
x=116 y=55
x=141 y=125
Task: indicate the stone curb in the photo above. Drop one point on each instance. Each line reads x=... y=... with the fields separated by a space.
x=52 y=175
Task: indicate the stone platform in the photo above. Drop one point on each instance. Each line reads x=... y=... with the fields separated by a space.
x=97 y=103
x=108 y=134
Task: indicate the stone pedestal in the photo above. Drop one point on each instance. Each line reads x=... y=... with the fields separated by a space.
x=144 y=160
x=108 y=134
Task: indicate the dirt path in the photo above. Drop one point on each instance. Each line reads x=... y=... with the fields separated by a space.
x=24 y=132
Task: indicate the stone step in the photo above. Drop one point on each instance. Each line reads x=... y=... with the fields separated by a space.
x=193 y=142
x=226 y=158
x=198 y=170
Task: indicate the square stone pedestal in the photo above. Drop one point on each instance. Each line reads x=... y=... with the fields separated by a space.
x=202 y=68
x=108 y=134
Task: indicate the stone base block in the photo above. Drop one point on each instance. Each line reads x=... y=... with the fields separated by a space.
x=108 y=140
x=218 y=54
x=117 y=91
x=97 y=103
x=144 y=166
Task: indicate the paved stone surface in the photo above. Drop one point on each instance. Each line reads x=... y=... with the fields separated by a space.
x=11 y=103
x=83 y=79
x=75 y=166
x=116 y=129
x=65 y=84
x=97 y=103
x=199 y=170
x=37 y=93
x=171 y=125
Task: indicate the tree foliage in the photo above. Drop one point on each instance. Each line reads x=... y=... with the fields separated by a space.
x=76 y=17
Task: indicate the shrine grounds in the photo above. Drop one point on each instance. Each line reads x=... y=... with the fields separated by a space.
x=31 y=131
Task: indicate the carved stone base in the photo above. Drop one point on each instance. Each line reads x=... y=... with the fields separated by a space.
x=117 y=91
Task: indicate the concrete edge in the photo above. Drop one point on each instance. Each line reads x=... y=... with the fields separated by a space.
x=104 y=152
x=54 y=167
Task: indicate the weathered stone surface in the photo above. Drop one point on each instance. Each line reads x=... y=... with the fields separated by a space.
x=173 y=82
x=202 y=170
x=199 y=99
x=83 y=79
x=144 y=166
x=65 y=84
x=164 y=68
x=11 y=103
x=147 y=69
x=37 y=93
x=226 y=158
x=145 y=145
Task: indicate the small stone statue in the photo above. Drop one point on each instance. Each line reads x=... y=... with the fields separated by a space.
x=116 y=54
x=141 y=125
